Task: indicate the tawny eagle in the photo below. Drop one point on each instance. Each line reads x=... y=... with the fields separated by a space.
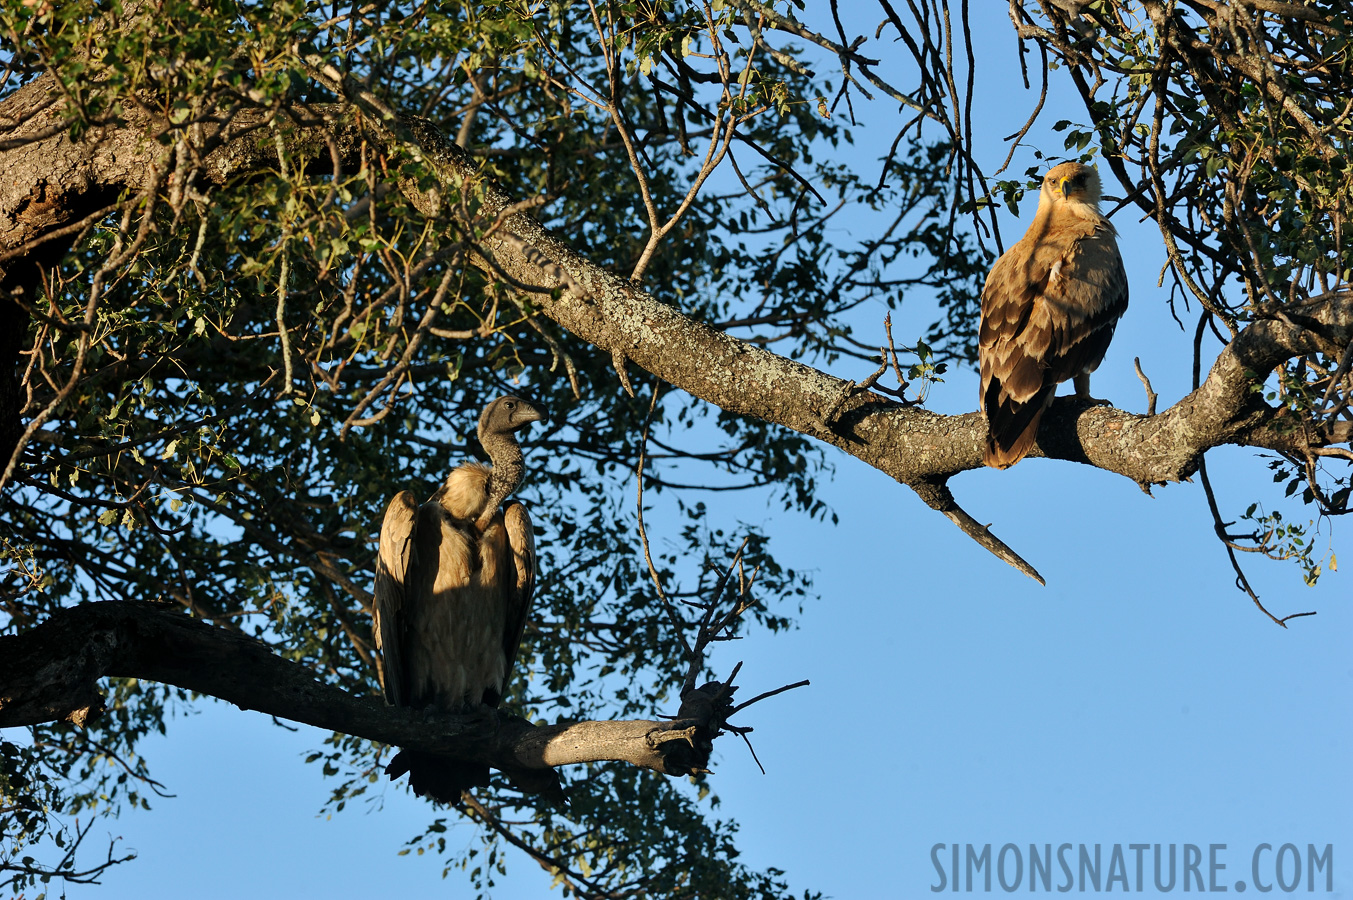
x=1049 y=309
x=454 y=580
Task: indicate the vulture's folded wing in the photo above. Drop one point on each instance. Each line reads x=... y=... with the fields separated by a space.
x=521 y=539
x=387 y=608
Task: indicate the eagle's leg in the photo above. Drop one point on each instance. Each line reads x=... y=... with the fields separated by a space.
x=1082 y=382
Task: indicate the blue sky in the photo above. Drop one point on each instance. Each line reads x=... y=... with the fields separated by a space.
x=1138 y=698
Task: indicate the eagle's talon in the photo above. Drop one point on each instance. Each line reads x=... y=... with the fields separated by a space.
x=1083 y=392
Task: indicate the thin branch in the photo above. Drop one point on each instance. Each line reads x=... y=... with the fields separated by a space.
x=1146 y=383
x=767 y=694
x=1219 y=526
x=939 y=498
x=678 y=626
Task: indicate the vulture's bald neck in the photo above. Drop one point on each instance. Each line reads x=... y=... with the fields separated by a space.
x=508 y=470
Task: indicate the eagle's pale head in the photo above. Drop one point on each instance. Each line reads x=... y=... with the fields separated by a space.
x=505 y=416
x=1072 y=181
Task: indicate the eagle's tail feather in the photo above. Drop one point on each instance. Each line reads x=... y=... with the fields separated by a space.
x=1002 y=455
x=1012 y=427
x=440 y=777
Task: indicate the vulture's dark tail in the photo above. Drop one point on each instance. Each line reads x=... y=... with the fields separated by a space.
x=439 y=777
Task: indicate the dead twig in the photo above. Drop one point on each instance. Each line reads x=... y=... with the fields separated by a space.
x=1146 y=383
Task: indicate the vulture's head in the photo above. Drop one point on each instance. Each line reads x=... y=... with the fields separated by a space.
x=506 y=415
x=1072 y=181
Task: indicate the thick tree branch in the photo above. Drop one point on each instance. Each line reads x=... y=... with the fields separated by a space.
x=51 y=673
x=918 y=448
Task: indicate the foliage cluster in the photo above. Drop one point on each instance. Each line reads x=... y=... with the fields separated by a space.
x=227 y=382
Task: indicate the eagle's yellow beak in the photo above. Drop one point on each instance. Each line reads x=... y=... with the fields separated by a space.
x=1061 y=185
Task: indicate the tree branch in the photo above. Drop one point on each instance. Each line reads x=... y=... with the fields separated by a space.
x=916 y=447
x=51 y=673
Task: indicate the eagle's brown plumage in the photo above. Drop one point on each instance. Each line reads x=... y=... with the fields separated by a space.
x=1048 y=311
x=454 y=580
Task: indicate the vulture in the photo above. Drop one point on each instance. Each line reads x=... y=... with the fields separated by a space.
x=1049 y=309
x=454 y=579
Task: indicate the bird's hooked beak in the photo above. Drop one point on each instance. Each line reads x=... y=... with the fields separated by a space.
x=1078 y=183
x=525 y=414
x=507 y=415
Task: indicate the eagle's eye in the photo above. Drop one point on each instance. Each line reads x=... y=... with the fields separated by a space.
x=510 y=405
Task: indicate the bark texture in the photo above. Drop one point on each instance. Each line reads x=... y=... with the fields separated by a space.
x=52 y=672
